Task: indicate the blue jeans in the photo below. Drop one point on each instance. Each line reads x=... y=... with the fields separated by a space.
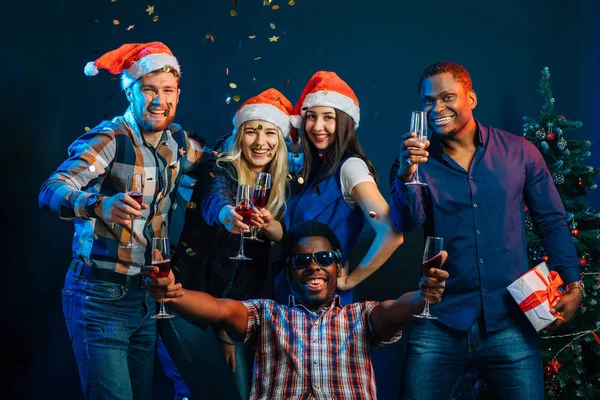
x=438 y=357
x=197 y=355
x=113 y=337
x=171 y=372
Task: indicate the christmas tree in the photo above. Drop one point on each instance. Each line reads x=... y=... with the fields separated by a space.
x=572 y=355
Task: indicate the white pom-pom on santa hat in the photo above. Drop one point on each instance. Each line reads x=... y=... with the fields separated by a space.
x=296 y=121
x=90 y=69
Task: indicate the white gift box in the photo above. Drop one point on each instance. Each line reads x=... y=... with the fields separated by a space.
x=540 y=316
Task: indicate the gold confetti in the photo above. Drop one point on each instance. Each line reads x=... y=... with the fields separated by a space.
x=291 y=2
x=208 y=35
x=155 y=18
x=130 y=27
x=116 y=22
x=232 y=85
x=184 y=244
x=235 y=3
x=112 y=1
x=233 y=13
x=301 y=180
x=252 y=37
x=259 y=127
x=287 y=81
x=212 y=174
x=275 y=7
x=236 y=98
x=290 y=177
x=227 y=220
x=259 y=147
x=255 y=59
x=272 y=25
x=273 y=38
x=372 y=214
x=95 y=236
x=150 y=10
x=219 y=154
x=191 y=205
x=87 y=129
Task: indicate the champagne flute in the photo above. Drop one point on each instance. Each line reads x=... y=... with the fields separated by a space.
x=418 y=124
x=262 y=191
x=244 y=208
x=135 y=190
x=432 y=258
x=161 y=258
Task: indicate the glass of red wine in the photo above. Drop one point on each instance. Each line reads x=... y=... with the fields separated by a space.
x=262 y=191
x=161 y=258
x=244 y=208
x=432 y=258
x=134 y=190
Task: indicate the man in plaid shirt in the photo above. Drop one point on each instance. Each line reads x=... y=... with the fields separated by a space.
x=106 y=304
x=313 y=347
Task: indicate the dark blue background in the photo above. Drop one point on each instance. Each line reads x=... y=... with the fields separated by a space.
x=379 y=48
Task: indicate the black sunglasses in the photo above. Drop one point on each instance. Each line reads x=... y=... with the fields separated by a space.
x=322 y=258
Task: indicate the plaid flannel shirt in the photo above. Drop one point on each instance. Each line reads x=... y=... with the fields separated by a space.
x=304 y=355
x=99 y=162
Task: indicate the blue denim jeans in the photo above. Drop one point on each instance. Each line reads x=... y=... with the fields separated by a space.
x=197 y=355
x=438 y=356
x=113 y=337
x=171 y=372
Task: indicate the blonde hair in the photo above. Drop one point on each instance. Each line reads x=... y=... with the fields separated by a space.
x=277 y=167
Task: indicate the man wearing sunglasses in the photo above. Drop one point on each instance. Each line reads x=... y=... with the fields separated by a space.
x=312 y=346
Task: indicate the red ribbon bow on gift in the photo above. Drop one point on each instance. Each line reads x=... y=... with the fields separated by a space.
x=552 y=294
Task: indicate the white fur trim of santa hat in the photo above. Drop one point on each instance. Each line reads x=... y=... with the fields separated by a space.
x=265 y=112
x=147 y=64
x=328 y=98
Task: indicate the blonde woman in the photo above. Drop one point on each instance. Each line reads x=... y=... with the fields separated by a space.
x=211 y=235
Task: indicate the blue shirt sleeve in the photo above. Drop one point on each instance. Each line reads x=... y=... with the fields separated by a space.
x=548 y=214
x=218 y=193
x=407 y=210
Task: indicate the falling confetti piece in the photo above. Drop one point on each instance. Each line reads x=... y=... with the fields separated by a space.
x=273 y=38
x=232 y=85
x=301 y=180
x=212 y=38
x=254 y=76
x=174 y=206
x=245 y=91
x=272 y=25
x=372 y=214
x=116 y=22
x=226 y=71
x=266 y=2
x=236 y=98
x=150 y=10
x=208 y=35
x=130 y=27
x=252 y=37
x=87 y=129
x=112 y=1
x=287 y=81
x=191 y=205
x=155 y=18
x=257 y=58
x=233 y=13
x=275 y=8
x=235 y=3
x=228 y=100
x=291 y=2
x=227 y=220
x=259 y=127
x=95 y=236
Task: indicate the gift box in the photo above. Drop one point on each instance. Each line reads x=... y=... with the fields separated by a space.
x=536 y=292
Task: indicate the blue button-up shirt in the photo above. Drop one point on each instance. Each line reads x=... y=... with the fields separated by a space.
x=480 y=215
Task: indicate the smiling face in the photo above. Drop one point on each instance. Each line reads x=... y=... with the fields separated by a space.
x=259 y=143
x=153 y=100
x=320 y=124
x=448 y=105
x=314 y=285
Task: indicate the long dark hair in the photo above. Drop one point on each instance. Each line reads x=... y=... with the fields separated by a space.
x=345 y=144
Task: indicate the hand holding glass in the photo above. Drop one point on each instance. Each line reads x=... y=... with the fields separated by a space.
x=244 y=209
x=134 y=190
x=432 y=258
x=161 y=258
x=418 y=124
x=262 y=191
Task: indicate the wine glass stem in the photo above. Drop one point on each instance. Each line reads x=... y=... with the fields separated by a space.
x=162 y=304
x=416 y=175
x=131 y=236
x=426 y=308
x=241 y=252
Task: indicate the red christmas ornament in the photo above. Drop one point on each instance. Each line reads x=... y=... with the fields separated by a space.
x=550 y=136
x=555 y=365
x=575 y=232
x=545 y=258
x=580 y=183
x=583 y=262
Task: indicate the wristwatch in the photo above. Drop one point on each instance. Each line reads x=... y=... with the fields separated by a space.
x=91 y=203
x=576 y=285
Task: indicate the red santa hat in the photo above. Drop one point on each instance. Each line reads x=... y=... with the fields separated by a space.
x=270 y=106
x=329 y=90
x=134 y=60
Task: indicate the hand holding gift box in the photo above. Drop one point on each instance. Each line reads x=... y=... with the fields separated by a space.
x=537 y=292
